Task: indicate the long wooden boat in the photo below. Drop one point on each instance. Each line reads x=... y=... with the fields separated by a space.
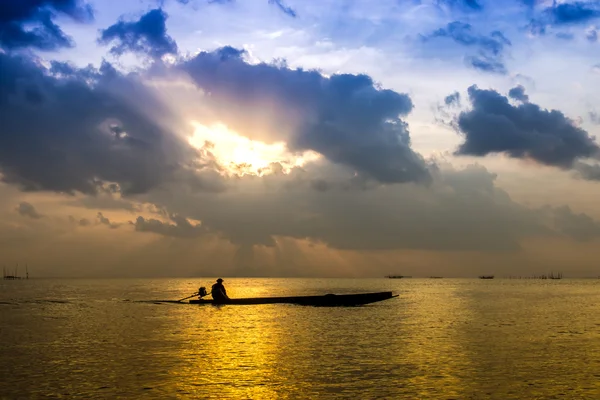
x=328 y=300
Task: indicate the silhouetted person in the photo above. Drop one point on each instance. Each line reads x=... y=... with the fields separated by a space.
x=218 y=291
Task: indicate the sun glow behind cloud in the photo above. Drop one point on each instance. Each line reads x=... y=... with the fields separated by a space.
x=239 y=155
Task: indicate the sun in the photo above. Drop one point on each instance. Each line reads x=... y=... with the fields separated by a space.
x=239 y=155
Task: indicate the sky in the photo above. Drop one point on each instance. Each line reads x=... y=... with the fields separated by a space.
x=288 y=138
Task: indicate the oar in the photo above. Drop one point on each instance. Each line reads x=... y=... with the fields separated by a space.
x=195 y=294
x=185 y=298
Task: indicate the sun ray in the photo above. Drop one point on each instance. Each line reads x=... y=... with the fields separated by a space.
x=239 y=155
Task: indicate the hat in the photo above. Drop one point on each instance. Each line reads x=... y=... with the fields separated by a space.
x=219 y=280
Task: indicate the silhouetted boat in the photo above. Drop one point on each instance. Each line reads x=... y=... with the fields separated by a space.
x=328 y=300
x=486 y=276
x=397 y=276
x=558 y=276
x=16 y=275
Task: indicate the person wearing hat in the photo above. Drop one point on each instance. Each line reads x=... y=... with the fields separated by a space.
x=218 y=291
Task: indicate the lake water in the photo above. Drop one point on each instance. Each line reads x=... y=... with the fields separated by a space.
x=441 y=339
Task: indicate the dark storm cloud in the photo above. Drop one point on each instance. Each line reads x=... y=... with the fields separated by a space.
x=518 y=93
x=30 y=23
x=460 y=210
x=573 y=13
x=28 y=210
x=181 y=228
x=284 y=9
x=493 y=125
x=561 y=14
x=345 y=117
x=66 y=134
x=148 y=35
x=489 y=48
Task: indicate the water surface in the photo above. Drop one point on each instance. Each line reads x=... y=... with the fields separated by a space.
x=441 y=339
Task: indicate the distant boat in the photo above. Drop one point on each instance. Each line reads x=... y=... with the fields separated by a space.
x=328 y=300
x=397 y=276
x=486 y=276
x=10 y=276
x=435 y=277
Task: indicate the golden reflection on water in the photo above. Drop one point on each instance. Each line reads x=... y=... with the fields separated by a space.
x=233 y=352
x=286 y=351
x=441 y=340
x=229 y=354
x=435 y=345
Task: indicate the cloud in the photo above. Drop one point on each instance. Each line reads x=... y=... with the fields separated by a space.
x=30 y=23
x=346 y=118
x=105 y=201
x=452 y=99
x=594 y=117
x=489 y=48
x=518 y=93
x=105 y=221
x=586 y=171
x=573 y=12
x=565 y=36
x=84 y=222
x=28 y=210
x=284 y=9
x=90 y=127
x=181 y=229
x=111 y=129
x=561 y=14
x=592 y=35
x=529 y=3
x=471 y=5
x=493 y=125
x=148 y=36
x=461 y=210
x=580 y=227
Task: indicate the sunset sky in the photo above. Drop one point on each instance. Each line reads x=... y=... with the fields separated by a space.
x=300 y=138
